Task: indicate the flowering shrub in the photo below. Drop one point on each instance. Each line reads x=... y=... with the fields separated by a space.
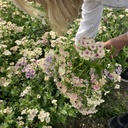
x=84 y=73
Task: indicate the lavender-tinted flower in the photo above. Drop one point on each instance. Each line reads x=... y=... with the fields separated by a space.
x=107 y=74
x=44 y=42
x=21 y=62
x=48 y=65
x=29 y=71
x=49 y=59
x=110 y=76
x=119 y=70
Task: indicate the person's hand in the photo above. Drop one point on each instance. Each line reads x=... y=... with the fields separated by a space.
x=118 y=43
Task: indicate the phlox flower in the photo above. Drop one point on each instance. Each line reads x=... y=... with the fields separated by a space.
x=38 y=96
x=92 y=47
x=66 y=54
x=3 y=46
x=26 y=91
x=81 y=40
x=92 y=76
x=29 y=71
x=87 y=111
x=116 y=77
x=76 y=81
x=52 y=34
x=62 y=59
x=20 y=123
x=43 y=116
x=53 y=43
x=49 y=65
x=102 y=81
x=117 y=86
x=54 y=102
x=24 y=111
x=108 y=74
x=43 y=41
x=100 y=45
x=106 y=92
x=61 y=87
x=101 y=53
x=38 y=51
x=61 y=51
x=70 y=31
x=87 y=53
x=7 y=110
x=7 y=53
x=61 y=71
x=32 y=113
x=14 y=48
x=21 y=62
x=96 y=87
x=75 y=100
x=40 y=63
x=93 y=102
x=4 y=82
x=19 y=118
x=119 y=69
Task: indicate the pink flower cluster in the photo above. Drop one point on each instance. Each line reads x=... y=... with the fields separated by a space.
x=28 y=69
x=21 y=62
x=88 y=49
x=82 y=73
x=49 y=65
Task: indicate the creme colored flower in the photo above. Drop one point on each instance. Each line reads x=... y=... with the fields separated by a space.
x=117 y=86
x=7 y=53
x=54 y=102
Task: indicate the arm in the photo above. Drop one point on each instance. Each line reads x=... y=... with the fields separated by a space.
x=91 y=16
x=117 y=42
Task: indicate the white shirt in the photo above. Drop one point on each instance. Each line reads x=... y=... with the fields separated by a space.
x=92 y=13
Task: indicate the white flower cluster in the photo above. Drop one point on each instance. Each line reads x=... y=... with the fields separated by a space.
x=7 y=110
x=9 y=26
x=4 y=82
x=32 y=113
x=32 y=53
x=26 y=91
x=4 y=50
x=44 y=116
x=19 y=121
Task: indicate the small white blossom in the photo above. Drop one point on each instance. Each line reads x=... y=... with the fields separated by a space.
x=24 y=111
x=54 y=102
x=44 y=116
x=7 y=53
x=38 y=96
x=117 y=86
x=32 y=113
x=7 y=110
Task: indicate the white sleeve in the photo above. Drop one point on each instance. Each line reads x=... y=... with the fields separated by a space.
x=91 y=16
